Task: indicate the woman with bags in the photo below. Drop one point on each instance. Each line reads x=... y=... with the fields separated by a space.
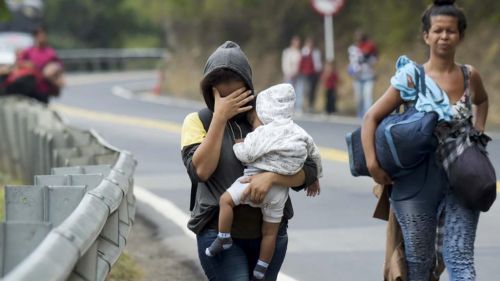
x=456 y=93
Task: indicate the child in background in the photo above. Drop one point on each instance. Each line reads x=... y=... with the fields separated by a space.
x=330 y=79
x=276 y=145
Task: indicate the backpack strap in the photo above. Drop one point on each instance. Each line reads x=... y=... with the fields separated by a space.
x=422 y=79
x=205 y=116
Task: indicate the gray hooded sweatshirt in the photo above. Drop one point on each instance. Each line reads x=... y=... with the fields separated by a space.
x=206 y=202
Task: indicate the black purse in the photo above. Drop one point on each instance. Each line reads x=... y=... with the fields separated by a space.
x=402 y=140
x=471 y=175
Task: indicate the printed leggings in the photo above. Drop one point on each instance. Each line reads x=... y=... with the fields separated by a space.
x=418 y=200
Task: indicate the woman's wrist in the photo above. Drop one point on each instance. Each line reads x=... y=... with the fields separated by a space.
x=273 y=178
x=372 y=163
x=219 y=118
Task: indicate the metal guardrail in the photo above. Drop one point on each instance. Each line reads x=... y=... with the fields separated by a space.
x=72 y=223
x=107 y=59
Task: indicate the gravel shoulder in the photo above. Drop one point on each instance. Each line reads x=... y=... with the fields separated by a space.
x=156 y=257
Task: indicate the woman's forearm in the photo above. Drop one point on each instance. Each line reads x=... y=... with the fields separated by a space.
x=290 y=181
x=479 y=100
x=206 y=156
x=480 y=113
x=368 y=140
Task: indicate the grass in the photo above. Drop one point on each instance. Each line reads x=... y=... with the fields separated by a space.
x=125 y=269
x=3 y=181
x=2 y=203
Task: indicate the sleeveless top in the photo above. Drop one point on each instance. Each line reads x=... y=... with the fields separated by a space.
x=454 y=135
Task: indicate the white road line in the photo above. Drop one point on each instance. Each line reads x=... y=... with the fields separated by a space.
x=168 y=210
x=122 y=92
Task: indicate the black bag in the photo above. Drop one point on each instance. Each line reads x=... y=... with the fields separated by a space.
x=402 y=140
x=206 y=118
x=471 y=175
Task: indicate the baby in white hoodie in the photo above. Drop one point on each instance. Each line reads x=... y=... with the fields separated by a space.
x=277 y=144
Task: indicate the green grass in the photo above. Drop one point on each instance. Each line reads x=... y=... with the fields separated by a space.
x=125 y=269
x=3 y=181
x=2 y=202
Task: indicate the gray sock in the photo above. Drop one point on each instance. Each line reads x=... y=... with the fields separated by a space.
x=260 y=270
x=222 y=242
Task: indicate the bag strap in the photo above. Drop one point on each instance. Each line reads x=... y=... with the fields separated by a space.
x=423 y=88
x=205 y=116
x=419 y=83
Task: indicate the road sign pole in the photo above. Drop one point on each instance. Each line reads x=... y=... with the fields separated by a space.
x=329 y=39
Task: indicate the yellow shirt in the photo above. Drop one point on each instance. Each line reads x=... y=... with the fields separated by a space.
x=192 y=131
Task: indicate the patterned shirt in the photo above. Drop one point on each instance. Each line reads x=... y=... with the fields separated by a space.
x=455 y=135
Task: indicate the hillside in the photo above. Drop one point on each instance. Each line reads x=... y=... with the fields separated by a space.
x=192 y=29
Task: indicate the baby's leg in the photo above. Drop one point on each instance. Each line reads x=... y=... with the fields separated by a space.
x=227 y=202
x=226 y=206
x=223 y=240
x=267 y=246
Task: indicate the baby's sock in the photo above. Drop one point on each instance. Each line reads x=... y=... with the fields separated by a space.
x=222 y=242
x=260 y=270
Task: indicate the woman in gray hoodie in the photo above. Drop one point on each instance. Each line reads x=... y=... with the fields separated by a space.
x=207 y=141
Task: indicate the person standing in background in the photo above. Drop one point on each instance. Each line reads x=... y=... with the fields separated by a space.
x=362 y=58
x=330 y=80
x=290 y=61
x=309 y=70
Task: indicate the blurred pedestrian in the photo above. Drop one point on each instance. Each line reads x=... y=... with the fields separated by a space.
x=46 y=63
x=362 y=58
x=21 y=79
x=290 y=61
x=330 y=79
x=424 y=198
x=309 y=70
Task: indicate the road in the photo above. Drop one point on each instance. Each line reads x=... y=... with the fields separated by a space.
x=332 y=237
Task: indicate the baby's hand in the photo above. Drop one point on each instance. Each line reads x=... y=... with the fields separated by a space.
x=314 y=189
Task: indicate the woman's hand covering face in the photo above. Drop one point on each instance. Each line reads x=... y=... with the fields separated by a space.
x=228 y=106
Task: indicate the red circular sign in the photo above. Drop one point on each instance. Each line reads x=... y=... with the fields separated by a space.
x=327 y=7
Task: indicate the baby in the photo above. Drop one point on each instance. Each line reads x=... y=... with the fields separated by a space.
x=277 y=144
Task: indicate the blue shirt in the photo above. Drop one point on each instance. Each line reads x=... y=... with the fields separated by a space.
x=434 y=98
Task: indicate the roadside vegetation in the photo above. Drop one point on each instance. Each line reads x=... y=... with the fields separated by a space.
x=125 y=269
x=192 y=29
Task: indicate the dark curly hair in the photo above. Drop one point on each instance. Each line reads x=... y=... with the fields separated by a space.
x=444 y=8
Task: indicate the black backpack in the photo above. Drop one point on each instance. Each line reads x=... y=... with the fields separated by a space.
x=205 y=116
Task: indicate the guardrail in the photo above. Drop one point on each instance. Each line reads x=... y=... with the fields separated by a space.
x=108 y=59
x=72 y=223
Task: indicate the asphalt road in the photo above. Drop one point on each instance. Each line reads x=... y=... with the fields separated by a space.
x=332 y=237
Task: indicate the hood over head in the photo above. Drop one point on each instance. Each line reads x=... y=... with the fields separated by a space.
x=229 y=55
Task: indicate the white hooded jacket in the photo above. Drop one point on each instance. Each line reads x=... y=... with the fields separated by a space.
x=279 y=145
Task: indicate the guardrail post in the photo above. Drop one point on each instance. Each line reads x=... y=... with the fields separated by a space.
x=19 y=239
